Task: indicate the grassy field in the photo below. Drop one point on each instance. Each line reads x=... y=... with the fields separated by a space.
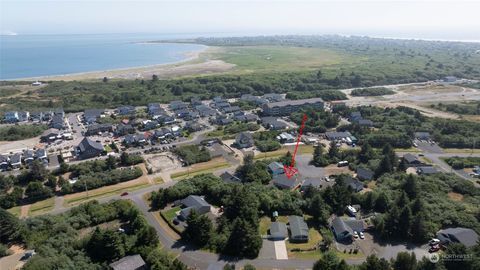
x=15 y=211
x=81 y=197
x=302 y=149
x=41 y=207
x=200 y=168
x=278 y=58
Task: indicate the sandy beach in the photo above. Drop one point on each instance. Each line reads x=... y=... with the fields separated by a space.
x=195 y=63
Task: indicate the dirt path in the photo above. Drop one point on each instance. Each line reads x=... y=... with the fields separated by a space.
x=24 y=211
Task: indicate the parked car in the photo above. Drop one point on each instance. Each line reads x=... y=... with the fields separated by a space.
x=434 y=248
x=124 y=194
x=362 y=236
x=433 y=242
x=355 y=234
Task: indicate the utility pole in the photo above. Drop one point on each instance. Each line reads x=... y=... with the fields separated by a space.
x=86 y=188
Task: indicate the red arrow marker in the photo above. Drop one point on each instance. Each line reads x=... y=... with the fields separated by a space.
x=291 y=170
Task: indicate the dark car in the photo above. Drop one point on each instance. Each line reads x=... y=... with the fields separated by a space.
x=124 y=194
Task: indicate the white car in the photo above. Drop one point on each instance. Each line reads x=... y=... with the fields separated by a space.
x=355 y=234
x=434 y=242
x=362 y=236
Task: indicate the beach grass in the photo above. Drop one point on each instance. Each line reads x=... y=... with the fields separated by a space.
x=41 y=207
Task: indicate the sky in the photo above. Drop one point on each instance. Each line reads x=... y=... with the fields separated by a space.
x=417 y=19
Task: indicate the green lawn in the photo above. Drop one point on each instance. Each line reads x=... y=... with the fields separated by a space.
x=201 y=170
x=169 y=215
x=42 y=207
x=279 y=58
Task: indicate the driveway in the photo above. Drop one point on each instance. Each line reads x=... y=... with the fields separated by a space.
x=280 y=250
x=302 y=163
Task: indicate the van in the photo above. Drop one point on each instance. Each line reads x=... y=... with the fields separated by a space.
x=342 y=163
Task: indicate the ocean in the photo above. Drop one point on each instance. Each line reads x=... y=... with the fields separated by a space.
x=24 y=56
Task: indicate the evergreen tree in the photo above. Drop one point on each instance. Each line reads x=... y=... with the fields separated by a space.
x=199 y=229
x=405 y=261
x=366 y=153
x=244 y=240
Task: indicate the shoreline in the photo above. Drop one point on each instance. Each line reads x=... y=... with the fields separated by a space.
x=137 y=72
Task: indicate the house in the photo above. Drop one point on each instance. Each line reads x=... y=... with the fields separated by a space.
x=194 y=101
x=426 y=170
x=285 y=137
x=336 y=135
x=273 y=97
x=16 y=160
x=354 y=184
x=50 y=135
x=59 y=111
x=283 y=182
x=311 y=182
x=228 y=177
x=340 y=230
x=132 y=262
x=149 y=124
x=155 y=109
x=162 y=133
x=298 y=229
x=465 y=236
x=89 y=149
x=28 y=156
x=223 y=120
x=287 y=107
x=364 y=174
x=166 y=120
x=4 y=162
x=91 y=116
x=423 y=136
x=244 y=140
x=194 y=202
x=36 y=116
x=273 y=123
x=41 y=154
x=193 y=126
x=126 y=110
x=177 y=105
x=134 y=139
x=412 y=160
x=278 y=231
x=11 y=117
x=96 y=129
x=276 y=168
x=450 y=79
x=230 y=109
x=250 y=118
x=205 y=111
x=57 y=122
x=23 y=116
x=355 y=116
x=123 y=129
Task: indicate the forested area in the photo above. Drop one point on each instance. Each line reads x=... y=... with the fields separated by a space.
x=192 y=154
x=374 y=91
x=37 y=183
x=463 y=162
x=467 y=108
x=317 y=121
x=397 y=126
x=74 y=240
x=21 y=132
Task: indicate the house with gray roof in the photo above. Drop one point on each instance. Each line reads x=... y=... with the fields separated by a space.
x=57 y=122
x=289 y=106
x=4 y=162
x=16 y=160
x=283 y=182
x=412 y=160
x=126 y=110
x=89 y=149
x=353 y=183
x=422 y=135
x=91 y=116
x=465 y=236
x=194 y=202
x=298 y=229
x=278 y=231
x=276 y=168
x=273 y=123
x=244 y=140
x=365 y=174
x=132 y=262
x=337 y=135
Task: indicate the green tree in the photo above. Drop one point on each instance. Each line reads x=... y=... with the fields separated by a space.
x=105 y=245
x=405 y=261
x=411 y=187
x=330 y=261
x=244 y=240
x=374 y=263
x=319 y=158
x=199 y=229
x=333 y=152
x=366 y=153
x=10 y=227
